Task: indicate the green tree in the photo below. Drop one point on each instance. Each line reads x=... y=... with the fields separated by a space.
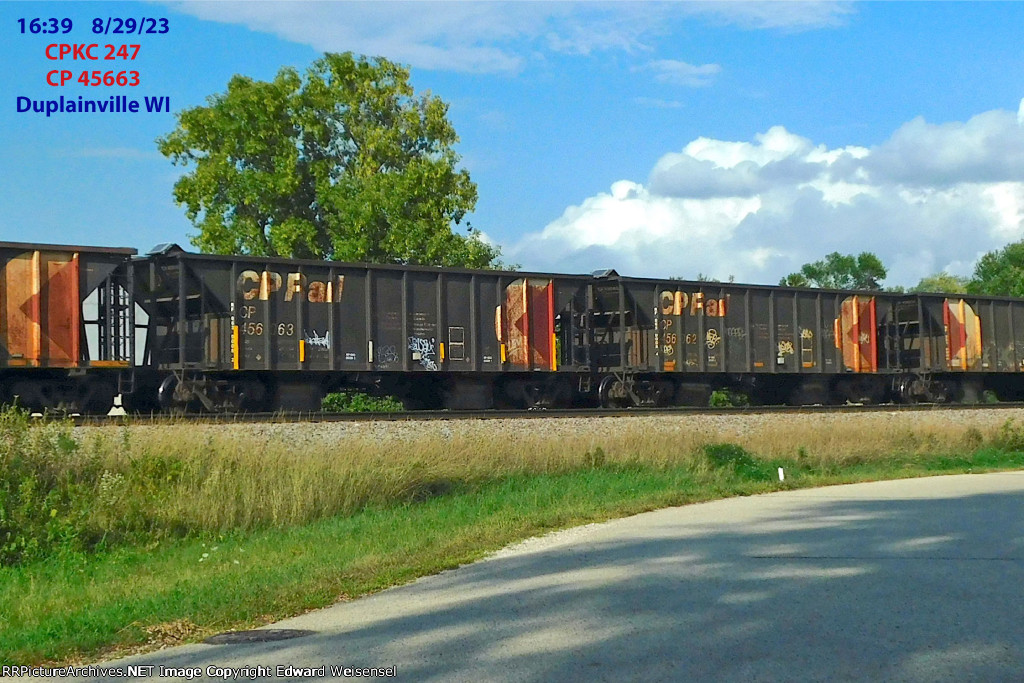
x=794 y=280
x=941 y=282
x=839 y=271
x=1000 y=272
x=344 y=162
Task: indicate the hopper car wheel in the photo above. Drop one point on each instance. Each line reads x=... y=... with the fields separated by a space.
x=165 y=394
x=612 y=393
x=167 y=399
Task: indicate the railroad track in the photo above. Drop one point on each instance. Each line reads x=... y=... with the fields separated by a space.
x=200 y=418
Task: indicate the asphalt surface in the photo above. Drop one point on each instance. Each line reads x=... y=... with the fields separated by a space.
x=914 y=580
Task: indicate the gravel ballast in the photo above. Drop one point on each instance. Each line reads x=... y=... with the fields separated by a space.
x=724 y=427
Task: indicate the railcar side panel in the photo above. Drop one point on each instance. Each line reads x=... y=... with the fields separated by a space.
x=61 y=308
x=786 y=342
x=317 y=328
x=831 y=355
x=1016 y=311
x=386 y=345
x=986 y=315
x=486 y=332
x=807 y=352
x=761 y=331
x=19 y=310
x=641 y=299
x=459 y=323
x=348 y=319
x=528 y=325
x=421 y=342
x=998 y=338
x=1000 y=353
x=253 y=317
x=736 y=336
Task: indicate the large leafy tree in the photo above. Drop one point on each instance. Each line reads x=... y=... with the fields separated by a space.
x=840 y=271
x=344 y=162
x=1000 y=272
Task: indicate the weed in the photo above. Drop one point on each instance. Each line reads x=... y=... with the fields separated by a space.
x=359 y=402
x=45 y=490
x=738 y=460
x=726 y=398
x=595 y=458
x=973 y=438
x=1010 y=437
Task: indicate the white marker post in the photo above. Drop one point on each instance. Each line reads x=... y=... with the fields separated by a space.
x=782 y=475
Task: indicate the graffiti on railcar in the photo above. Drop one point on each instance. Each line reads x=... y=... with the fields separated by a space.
x=315 y=339
x=424 y=351
x=387 y=353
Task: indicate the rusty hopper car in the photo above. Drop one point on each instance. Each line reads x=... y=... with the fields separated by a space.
x=254 y=333
x=65 y=326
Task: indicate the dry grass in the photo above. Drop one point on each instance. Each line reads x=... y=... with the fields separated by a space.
x=227 y=477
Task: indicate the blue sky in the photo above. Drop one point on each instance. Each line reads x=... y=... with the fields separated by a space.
x=660 y=139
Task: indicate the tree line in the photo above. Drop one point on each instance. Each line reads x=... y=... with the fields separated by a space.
x=997 y=273
x=347 y=162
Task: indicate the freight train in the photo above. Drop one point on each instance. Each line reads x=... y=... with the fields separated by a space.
x=173 y=330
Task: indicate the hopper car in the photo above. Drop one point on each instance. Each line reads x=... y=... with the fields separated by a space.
x=174 y=330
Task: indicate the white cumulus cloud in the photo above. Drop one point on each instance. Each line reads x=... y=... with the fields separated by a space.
x=931 y=197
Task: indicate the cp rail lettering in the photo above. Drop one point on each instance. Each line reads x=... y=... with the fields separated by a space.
x=675 y=303
x=253 y=285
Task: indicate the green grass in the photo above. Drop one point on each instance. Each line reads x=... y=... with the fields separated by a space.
x=76 y=606
x=167 y=533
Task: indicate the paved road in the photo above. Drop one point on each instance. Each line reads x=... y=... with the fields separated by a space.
x=917 y=580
